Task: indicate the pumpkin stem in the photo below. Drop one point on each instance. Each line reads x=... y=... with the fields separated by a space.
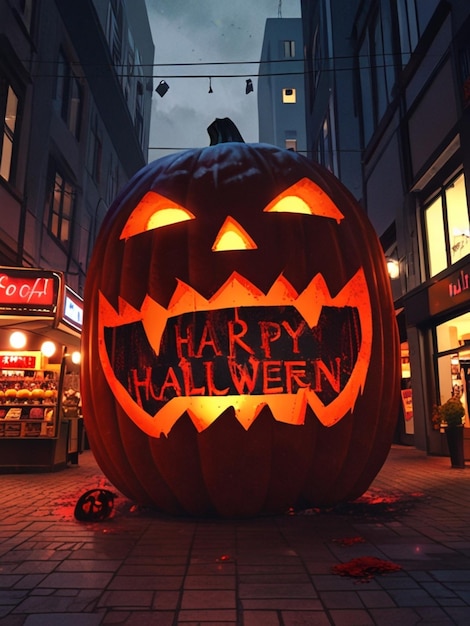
x=223 y=130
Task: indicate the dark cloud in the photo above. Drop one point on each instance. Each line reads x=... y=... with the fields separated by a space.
x=204 y=34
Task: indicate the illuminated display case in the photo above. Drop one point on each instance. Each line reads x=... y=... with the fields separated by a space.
x=28 y=396
x=37 y=432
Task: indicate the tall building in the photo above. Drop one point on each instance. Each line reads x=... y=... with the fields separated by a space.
x=332 y=128
x=407 y=63
x=281 y=104
x=75 y=97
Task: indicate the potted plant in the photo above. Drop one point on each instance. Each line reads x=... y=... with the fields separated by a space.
x=450 y=417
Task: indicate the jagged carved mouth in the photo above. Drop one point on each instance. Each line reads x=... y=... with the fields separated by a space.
x=242 y=349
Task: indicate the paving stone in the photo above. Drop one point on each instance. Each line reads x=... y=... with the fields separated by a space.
x=76 y=580
x=137 y=599
x=204 y=599
x=261 y=618
x=305 y=618
x=341 y=600
x=59 y=619
x=351 y=618
x=147 y=569
x=212 y=616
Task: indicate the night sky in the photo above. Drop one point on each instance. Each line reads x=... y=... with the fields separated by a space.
x=207 y=31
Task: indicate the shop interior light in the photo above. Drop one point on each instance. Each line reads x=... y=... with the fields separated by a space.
x=76 y=357
x=17 y=340
x=393 y=268
x=48 y=348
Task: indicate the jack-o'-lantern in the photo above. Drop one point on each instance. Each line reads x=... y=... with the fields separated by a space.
x=240 y=346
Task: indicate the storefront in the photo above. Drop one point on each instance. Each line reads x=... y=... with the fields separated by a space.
x=438 y=318
x=40 y=328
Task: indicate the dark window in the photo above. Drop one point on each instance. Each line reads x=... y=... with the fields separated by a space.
x=408 y=28
x=323 y=146
x=27 y=8
x=289 y=48
x=96 y=153
x=60 y=201
x=465 y=74
x=376 y=71
x=112 y=182
x=68 y=95
x=139 y=111
x=114 y=32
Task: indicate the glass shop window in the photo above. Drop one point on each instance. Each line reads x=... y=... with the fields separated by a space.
x=452 y=344
x=406 y=389
x=447 y=227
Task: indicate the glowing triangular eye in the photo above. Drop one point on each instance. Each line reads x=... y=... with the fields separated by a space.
x=232 y=236
x=307 y=198
x=154 y=211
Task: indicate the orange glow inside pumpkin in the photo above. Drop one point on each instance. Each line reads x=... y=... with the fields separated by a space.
x=307 y=198
x=232 y=236
x=238 y=291
x=154 y=211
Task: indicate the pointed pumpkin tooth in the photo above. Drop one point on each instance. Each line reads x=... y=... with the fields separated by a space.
x=185 y=299
x=154 y=319
x=247 y=409
x=317 y=295
x=288 y=408
x=282 y=292
x=126 y=314
x=203 y=410
x=236 y=291
x=310 y=302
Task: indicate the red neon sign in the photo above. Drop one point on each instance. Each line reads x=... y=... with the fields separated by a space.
x=39 y=290
x=28 y=291
x=18 y=361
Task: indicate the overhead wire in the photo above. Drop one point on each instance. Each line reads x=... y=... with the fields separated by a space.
x=322 y=64
x=137 y=70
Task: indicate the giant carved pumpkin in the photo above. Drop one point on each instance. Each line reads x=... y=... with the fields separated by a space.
x=240 y=346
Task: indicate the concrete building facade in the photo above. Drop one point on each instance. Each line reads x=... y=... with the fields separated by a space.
x=281 y=104
x=75 y=99
x=404 y=126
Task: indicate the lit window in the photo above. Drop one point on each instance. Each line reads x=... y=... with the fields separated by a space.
x=9 y=125
x=289 y=96
x=291 y=144
x=447 y=227
x=457 y=218
x=436 y=238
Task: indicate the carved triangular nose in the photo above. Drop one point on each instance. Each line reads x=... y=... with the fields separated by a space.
x=232 y=236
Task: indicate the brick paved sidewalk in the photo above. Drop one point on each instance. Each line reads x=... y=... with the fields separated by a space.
x=140 y=568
